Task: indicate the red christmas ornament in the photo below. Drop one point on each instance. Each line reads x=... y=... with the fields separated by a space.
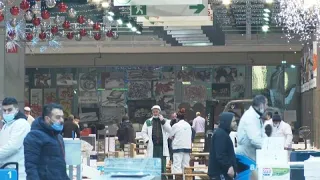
x=97 y=36
x=83 y=32
x=109 y=34
x=96 y=26
x=66 y=24
x=54 y=30
x=36 y=21
x=14 y=10
x=29 y=36
x=24 y=5
x=81 y=19
x=12 y=34
x=62 y=7
x=1 y=17
x=70 y=35
x=42 y=35
x=45 y=14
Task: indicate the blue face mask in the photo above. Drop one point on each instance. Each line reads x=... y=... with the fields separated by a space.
x=9 y=118
x=57 y=126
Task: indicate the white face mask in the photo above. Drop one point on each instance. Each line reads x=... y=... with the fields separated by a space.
x=155 y=116
x=276 y=125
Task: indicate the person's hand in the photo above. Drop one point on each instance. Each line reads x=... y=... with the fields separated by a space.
x=231 y=172
x=161 y=117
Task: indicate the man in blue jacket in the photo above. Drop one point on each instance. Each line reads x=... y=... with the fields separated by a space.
x=44 y=147
x=222 y=158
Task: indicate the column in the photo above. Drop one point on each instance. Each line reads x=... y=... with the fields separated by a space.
x=12 y=68
x=248 y=20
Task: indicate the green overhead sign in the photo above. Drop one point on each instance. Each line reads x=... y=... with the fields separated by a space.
x=199 y=8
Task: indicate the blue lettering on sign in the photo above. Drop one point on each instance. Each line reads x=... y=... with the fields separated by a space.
x=8 y=174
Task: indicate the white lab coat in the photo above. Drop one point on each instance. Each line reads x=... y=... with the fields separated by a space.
x=250 y=134
x=283 y=130
x=11 y=144
x=147 y=136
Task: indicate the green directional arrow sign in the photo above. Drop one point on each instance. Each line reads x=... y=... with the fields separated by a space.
x=198 y=8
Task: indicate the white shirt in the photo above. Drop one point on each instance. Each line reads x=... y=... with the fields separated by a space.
x=199 y=124
x=11 y=144
x=182 y=134
x=250 y=134
x=283 y=130
x=30 y=119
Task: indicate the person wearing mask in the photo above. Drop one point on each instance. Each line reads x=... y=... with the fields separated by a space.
x=199 y=123
x=155 y=132
x=27 y=112
x=268 y=118
x=70 y=128
x=126 y=134
x=12 y=134
x=44 y=147
x=282 y=129
x=222 y=158
x=172 y=122
x=181 y=135
x=251 y=131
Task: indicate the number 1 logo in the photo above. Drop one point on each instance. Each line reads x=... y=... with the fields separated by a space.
x=10 y=174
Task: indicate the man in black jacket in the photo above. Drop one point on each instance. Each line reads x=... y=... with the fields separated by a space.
x=222 y=159
x=126 y=133
x=70 y=128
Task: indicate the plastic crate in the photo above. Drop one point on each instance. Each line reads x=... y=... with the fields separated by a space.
x=245 y=175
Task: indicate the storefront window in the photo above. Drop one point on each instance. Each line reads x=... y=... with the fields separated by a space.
x=268 y=81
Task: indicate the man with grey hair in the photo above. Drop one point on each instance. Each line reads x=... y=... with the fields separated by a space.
x=251 y=131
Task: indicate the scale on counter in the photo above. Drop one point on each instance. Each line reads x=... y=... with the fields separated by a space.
x=305 y=132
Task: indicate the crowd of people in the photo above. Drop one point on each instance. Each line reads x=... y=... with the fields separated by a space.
x=38 y=146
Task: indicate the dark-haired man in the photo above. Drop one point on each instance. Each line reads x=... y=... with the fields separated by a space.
x=44 y=147
x=126 y=133
x=13 y=132
x=70 y=128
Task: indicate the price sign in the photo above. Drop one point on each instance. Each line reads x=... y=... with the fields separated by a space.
x=8 y=174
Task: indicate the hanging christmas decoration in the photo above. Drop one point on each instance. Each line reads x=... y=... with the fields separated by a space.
x=70 y=35
x=78 y=37
x=1 y=17
x=28 y=15
x=300 y=17
x=97 y=36
x=109 y=34
x=81 y=19
x=36 y=9
x=14 y=10
x=42 y=35
x=66 y=25
x=83 y=32
x=2 y=6
x=51 y=3
x=29 y=36
x=96 y=26
x=72 y=13
x=62 y=7
x=57 y=20
x=36 y=21
x=115 y=35
x=13 y=22
x=45 y=14
x=24 y=5
x=54 y=30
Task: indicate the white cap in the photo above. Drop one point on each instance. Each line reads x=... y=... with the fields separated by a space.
x=27 y=109
x=156 y=107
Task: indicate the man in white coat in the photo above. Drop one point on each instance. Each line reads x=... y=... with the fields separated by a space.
x=181 y=144
x=251 y=131
x=155 y=132
x=12 y=134
x=282 y=129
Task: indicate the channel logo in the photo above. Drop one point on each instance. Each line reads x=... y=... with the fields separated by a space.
x=267 y=171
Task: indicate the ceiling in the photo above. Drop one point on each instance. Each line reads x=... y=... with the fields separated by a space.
x=231 y=26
